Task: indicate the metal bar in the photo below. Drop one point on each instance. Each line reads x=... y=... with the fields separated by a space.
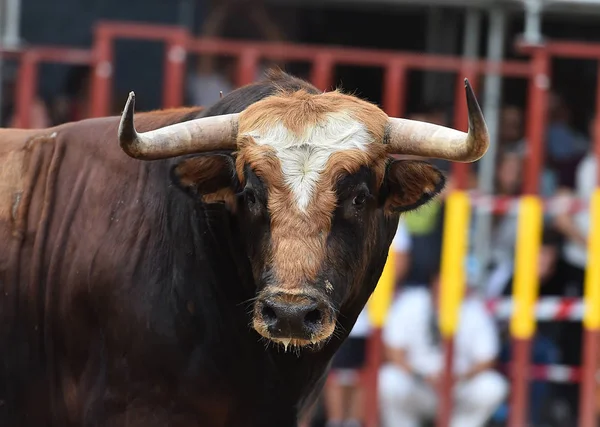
x=525 y=294
x=533 y=21
x=446 y=385
x=321 y=72
x=102 y=74
x=26 y=89
x=487 y=165
x=247 y=66
x=12 y=30
x=135 y=30
x=591 y=320
x=587 y=389
x=472 y=33
x=175 y=57
x=460 y=172
x=536 y=119
x=353 y=56
x=394 y=89
x=451 y=291
x=597 y=126
x=375 y=357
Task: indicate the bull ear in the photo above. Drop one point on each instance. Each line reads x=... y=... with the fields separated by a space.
x=209 y=177
x=411 y=184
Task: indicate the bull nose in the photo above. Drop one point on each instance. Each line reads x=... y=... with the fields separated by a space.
x=300 y=320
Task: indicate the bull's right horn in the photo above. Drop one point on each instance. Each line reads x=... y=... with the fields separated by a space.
x=430 y=140
x=194 y=136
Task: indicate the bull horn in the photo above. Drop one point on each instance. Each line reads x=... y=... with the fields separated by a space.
x=429 y=140
x=194 y=136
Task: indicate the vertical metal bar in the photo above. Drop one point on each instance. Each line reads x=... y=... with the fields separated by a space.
x=374 y=358
x=536 y=119
x=247 y=66
x=487 y=165
x=452 y=284
x=472 y=33
x=13 y=24
x=597 y=127
x=591 y=321
x=533 y=21
x=587 y=388
x=175 y=57
x=536 y=125
x=394 y=89
x=460 y=173
x=26 y=88
x=321 y=72
x=525 y=294
x=102 y=74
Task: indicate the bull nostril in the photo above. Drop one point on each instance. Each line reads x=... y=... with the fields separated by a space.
x=313 y=317
x=268 y=315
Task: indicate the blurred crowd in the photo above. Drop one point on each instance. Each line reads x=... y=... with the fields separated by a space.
x=409 y=377
x=413 y=362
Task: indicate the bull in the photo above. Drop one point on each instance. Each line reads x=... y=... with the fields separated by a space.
x=200 y=267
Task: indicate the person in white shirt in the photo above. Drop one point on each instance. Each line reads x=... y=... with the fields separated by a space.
x=343 y=395
x=409 y=378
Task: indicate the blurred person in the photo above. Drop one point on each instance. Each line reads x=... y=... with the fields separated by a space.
x=511 y=131
x=546 y=349
x=409 y=379
x=39 y=117
x=565 y=146
x=575 y=228
x=344 y=397
x=214 y=75
x=73 y=103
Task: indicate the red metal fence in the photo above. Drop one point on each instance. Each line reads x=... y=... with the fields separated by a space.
x=179 y=44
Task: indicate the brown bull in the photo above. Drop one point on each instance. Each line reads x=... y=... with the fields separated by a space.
x=203 y=269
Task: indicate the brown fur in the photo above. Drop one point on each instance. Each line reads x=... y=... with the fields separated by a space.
x=410 y=182
x=299 y=110
x=295 y=232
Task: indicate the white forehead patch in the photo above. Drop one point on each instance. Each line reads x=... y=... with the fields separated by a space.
x=303 y=157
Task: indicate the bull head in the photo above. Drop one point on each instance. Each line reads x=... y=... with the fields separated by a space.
x=310 y=178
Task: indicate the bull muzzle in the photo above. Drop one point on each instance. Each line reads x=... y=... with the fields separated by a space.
x=293 y=319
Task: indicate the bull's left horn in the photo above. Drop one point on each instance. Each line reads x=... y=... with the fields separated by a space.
x=194 y=136
x=429 y=140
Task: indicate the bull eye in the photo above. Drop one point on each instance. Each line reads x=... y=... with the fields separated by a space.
x=359 y=199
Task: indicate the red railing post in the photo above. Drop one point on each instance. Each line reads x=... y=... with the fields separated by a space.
x=321 y=72
x=247 y=66
x=175 y=58
x=26 y=88
x=536 y=126
x=587 y=400
x=102 y=73
x=460 y=173
x=394 y=89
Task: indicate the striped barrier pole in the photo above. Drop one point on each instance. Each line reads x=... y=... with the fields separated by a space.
x=452 y=287
x=377 y=309
x=526 y=287
x=591 y=318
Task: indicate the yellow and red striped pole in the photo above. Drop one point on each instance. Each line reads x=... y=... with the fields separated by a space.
x=591 y=318
x=377 y=309
x=525 y=294
x=455 y=242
